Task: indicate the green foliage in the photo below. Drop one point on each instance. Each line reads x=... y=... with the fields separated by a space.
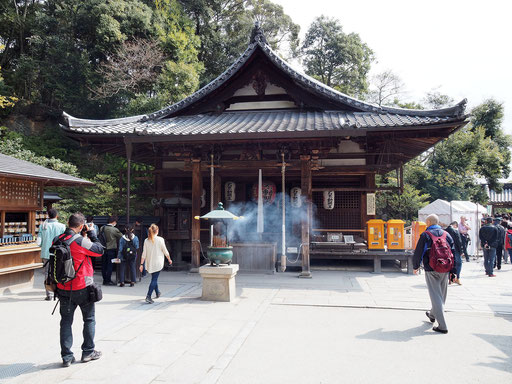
x=11 y=144
x=452 y=170
x=64 y=155
x=405 y=206
x=340 y=60
x=224 y=27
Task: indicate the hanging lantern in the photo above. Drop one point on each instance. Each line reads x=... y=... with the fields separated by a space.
x=329 y=200
x=269 y=192
x=229 y=191
x=296 y=197
x=203 y=198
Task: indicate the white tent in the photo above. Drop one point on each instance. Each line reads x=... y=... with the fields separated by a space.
x=453 y=211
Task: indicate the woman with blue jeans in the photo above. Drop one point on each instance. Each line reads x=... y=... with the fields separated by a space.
x=127 y=253
x=153 y=254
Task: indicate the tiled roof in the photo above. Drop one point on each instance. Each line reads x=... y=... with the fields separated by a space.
x=258 y=41
x=369 y=115
x=12 y=167
x=503 y=197
x=255 y=122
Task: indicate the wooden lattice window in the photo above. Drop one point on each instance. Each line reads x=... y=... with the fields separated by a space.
x=345 y=215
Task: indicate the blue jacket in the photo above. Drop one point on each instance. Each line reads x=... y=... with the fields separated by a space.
x=50 y=229
x=423 y=247
x=122 y=244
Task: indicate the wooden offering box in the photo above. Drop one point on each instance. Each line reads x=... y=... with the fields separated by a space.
x=20 y=217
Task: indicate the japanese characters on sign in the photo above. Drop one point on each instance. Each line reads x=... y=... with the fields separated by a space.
x=329 y=200
x=296 y=197
x=230 y=191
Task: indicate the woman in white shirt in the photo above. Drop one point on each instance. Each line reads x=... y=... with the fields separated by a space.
x=154 y=253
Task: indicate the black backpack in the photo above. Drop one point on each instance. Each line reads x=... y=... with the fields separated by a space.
x=102 y=238
x=61 y=267
x=129 y=251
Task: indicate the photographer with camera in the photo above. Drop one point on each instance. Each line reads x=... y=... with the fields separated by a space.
x=489 y=238
x=80 y=291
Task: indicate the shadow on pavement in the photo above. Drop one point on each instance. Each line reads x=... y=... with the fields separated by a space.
x=10 y=371
x=504 y=344
x=398 y=336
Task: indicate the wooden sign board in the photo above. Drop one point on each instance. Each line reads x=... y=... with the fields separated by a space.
x=370 y=204
x=19 y=193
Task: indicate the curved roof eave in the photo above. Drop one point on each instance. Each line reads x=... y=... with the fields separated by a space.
x=307 y=82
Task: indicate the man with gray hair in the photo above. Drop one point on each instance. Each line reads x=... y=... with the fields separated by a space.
x=437 y=282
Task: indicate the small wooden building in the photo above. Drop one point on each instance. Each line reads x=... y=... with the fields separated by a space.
x=319 y=148
x=21 y=213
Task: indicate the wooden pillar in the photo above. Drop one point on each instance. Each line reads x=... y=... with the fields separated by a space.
x=369 y=183
x=217 y=191
x=129 y=148
x=197 y=187
x=305 y=181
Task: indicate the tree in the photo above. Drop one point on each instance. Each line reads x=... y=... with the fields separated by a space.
x=5 y=101
x=339 y=60
x=133 y=69
x=224 y=27
x=451 y=171
x=489 y=116
x=436 y=100
x=404 y=206
x=385 y=88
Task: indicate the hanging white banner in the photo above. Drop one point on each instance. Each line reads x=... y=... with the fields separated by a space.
x=203 y=198
x=370 y=203
x=230 y=191
x=296 y=197
x=329 y=200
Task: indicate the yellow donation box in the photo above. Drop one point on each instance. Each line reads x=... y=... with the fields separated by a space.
x=418 y=227
x=376 y=234
x=396 y=235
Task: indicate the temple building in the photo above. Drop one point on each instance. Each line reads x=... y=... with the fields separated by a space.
x=320 y=147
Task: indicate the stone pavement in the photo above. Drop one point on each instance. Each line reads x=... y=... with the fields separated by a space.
x=339 y=326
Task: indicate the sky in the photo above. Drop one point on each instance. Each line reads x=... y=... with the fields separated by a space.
x=459 y=48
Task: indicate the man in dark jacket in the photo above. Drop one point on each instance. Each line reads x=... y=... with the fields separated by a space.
x=489 y=238
x=437 y=282
x=76 y=293
x=112 y=236
x=501 y=241
x=453 y=231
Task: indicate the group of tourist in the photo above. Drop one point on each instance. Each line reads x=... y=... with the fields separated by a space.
x=496 y=240
x=84 y=242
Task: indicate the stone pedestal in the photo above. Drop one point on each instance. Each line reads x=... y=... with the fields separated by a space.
x=218 y=282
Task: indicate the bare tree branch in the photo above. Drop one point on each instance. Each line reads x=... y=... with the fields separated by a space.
x=134 y=68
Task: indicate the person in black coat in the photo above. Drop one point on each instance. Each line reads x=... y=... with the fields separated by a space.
x=452 y=229
x=489 y=239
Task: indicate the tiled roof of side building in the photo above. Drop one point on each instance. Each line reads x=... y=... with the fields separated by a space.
x=16 y=168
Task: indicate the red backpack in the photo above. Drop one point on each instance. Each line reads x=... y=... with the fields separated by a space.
x=441 y=257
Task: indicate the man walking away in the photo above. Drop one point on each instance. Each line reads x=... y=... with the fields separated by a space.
x=457 y=254
x=437 y=282
x=501 y=241
x=50 y=229
x=489 y=237
x=75 y=293
x=112 y=235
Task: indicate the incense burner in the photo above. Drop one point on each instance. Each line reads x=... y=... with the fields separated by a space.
x=220 y=255
x=219 y=251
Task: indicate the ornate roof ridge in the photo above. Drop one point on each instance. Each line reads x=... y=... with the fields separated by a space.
x=258 y=40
